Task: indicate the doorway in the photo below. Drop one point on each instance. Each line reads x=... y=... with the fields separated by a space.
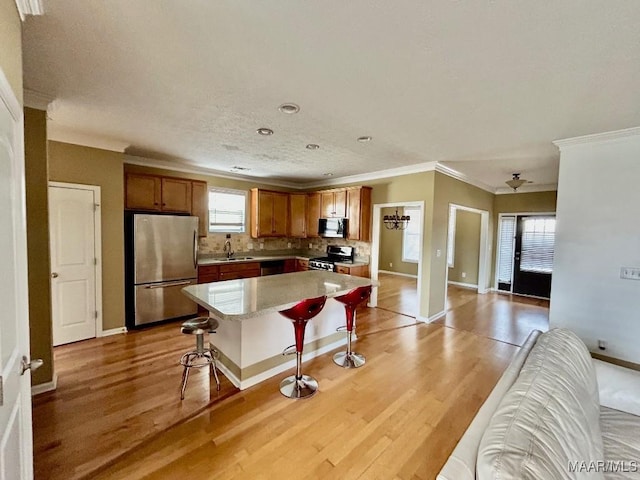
x=75 y=246
x=524 y=259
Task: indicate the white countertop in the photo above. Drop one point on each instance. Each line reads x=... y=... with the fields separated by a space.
x=251 y=297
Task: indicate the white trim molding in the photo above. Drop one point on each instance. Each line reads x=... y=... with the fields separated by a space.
x=389 y=272
x=432 y=318
x=365 y=177
x=29 y=7
x=112 y=331
x=597 y=137
x=64 y=134
x=45 y=387
x=463 y=178
x=548 y=187
x=470 y=286
x=37 y=100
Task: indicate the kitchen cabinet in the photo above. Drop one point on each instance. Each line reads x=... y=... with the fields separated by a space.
x=155 y=193
x=207 y=274
x=356 y=271
x=302 y=265
x=233 y=271
x=200 y=206
x=290 y=265
x=269 y=213
x=333 y=203
x=359 y=213
x=298 y=215
x=314 y=213
x=143 y=192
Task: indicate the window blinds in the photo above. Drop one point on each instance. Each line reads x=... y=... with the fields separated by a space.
x=226 y=211
x=538 y=239
x=507 y=245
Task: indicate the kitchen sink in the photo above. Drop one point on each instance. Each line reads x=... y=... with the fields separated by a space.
x=237 y=258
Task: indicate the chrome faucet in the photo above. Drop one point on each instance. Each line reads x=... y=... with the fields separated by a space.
x=227 y=248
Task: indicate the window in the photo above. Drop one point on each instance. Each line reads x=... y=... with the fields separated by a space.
x=538 y=238
x=451 y=236
x=506 y=245
x=227 y=210
x=411 y=236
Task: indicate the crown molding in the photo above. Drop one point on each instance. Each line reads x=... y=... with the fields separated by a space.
x=37 y=100
x=463 y=178
x=597 y=137
x=176 y=167
x=61 y=133
x=29 y=7
x=365 y=177
x=532 y=188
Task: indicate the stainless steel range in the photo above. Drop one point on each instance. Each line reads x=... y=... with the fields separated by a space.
x=335 y=254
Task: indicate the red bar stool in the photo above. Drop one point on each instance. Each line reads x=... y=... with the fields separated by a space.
x=201 y=356
x=351 y=300
x=298 y=385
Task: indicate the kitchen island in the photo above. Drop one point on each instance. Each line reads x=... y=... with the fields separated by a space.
x=252 y=334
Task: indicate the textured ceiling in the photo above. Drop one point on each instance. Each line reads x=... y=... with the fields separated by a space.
x=482 y=86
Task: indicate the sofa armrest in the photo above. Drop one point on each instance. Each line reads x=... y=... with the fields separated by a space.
x=461 y=464
x=619 y=387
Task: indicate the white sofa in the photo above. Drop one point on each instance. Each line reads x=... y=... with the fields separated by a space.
x=554 y=414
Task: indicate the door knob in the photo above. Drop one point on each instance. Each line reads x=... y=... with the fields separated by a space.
x=54 y=275
x=32 y=365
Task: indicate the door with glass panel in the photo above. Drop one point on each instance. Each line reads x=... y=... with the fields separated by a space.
x=525 y=256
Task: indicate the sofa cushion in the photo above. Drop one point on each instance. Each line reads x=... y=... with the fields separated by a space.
x=549 y=419
x=621 y=440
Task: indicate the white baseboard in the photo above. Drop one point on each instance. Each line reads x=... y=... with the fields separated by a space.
x=45 y=387
x=398 y=274
x=464 y=285
x=113 y=331
x=432 y=318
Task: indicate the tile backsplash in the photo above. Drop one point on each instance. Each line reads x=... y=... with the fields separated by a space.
x=242 y=242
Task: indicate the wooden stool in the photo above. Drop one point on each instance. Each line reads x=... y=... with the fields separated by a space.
x=201 y=356
x=351 y=300
x=298 y=385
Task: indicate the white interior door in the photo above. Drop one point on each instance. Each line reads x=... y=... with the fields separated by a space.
x=73 y=263
x=16 y=444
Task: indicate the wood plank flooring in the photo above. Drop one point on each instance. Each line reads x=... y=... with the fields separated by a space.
x=398 y=294
x=117 y=411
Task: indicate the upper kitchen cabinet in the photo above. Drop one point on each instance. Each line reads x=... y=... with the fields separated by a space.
x=163 y=194
x=314 y=213
x=200 y=206
x=334 y=203
x=298 y=215
x=143 y=192
x=359 y=213
x=269 y=213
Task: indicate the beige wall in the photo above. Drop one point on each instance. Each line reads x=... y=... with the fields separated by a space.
x=467 y=248
x=11 y=45
x=91 y=166
x=36 y=173
x=541 y=202
x=449 y=190
x=391 y=241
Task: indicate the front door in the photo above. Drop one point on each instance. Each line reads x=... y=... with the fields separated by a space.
x=73 y=262
x=533 y=256
x=16 y=444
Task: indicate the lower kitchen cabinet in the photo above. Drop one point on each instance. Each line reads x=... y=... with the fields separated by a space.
x=239 y=270
x=302 y=265
x=290 y=265
x=356 y=271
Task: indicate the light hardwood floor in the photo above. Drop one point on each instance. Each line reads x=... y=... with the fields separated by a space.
x=117 y=412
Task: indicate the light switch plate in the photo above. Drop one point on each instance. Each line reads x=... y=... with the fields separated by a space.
x=630 y=273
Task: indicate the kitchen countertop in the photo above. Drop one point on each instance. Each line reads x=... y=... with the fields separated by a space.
x=265 y=258
x=252 y=297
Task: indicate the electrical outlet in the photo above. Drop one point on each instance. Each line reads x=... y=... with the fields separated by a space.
x=289 y=245
x=391 y=264
x=630 y=273
x=464 y=274
x=261 y=246
x=310 y=246
x=438 y=253
x=249 y=246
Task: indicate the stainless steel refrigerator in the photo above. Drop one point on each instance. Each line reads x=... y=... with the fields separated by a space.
x=161 y=259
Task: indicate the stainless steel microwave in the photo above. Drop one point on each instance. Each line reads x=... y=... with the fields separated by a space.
x=332 y=227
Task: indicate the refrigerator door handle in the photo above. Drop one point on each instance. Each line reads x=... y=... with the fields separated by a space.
x=168 y=284
x=195 y=249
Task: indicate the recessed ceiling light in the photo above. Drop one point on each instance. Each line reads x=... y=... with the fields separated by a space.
x=265 y=131
x=289 y=108
x=364 y=139
x=238 y=169
x=313 y=146
x=327 y=174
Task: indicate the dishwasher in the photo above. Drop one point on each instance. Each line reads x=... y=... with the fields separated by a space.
x=271 y=267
